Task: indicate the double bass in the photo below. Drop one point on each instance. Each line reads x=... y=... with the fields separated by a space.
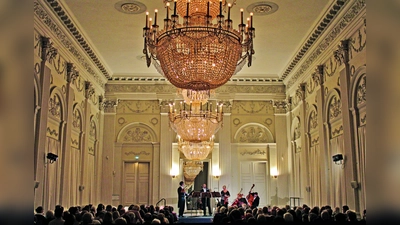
x=239 y=196
x=250 y=197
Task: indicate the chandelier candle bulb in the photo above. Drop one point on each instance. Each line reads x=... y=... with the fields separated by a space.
x=150 y=20
x=229 y=11
x=241 y=16
x=220 y=7
x=155 y=17
x=147 y=19
x=167 y=10
x=251 y=20
x=175 y=7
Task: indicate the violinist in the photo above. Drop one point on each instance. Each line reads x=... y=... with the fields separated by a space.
x=181 y=198
x=224 y=196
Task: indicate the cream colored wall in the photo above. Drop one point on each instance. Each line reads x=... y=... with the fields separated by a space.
x=67 y=123
x=339 y=77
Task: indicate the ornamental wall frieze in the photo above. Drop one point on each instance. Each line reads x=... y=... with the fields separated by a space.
x=255 y=152
x=167 y=88
x=137 y=106
x=345 y=20
x=314 y=141
x=335 y=132
x=58 y=32
x=253 y=107
x=136 y=153
x=52 y=132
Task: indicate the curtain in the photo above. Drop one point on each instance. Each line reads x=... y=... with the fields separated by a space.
x=338 y=183
x=52 y=176
x=362 y=149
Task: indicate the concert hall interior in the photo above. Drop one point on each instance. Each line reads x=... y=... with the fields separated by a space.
x=290 y=118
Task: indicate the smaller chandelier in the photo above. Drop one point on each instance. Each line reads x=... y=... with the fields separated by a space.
x=195 y=150
x=196 y=122
x=190 y=170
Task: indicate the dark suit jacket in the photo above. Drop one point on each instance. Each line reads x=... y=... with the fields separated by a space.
x=181 y=196
x=256 y=202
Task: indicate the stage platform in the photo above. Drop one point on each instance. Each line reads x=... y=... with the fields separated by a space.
x=195 y=217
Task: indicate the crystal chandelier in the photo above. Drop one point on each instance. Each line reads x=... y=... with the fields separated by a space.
x=190 y=170
x=195 y=150
x=195 y=122
x=199 y=52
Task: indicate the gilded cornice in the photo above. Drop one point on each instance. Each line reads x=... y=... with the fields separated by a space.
x=68 y=44
x=167 y=88
x=345 y=20
x=320 y=28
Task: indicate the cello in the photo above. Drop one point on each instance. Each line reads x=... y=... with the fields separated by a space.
x=239 y=196
x=250 y=197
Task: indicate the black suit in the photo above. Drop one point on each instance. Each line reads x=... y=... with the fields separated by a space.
x=206 y=202
x=255 y=203
x=181 y=200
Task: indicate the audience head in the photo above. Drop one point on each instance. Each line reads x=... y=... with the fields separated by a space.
x=340 y=217
x=325 y=215
x=39 y=209
x=87 y=218
x=58 y=212
x=351 y=216
x=288 y=217
x=345 y=208
x=120 y=221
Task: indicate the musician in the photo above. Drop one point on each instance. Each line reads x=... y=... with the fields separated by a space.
x=205 y=201
x=181 y=199
x=224 y=196
x=256 y=200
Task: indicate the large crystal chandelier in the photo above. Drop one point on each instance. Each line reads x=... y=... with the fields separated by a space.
x=193 y=50
x=195 y=150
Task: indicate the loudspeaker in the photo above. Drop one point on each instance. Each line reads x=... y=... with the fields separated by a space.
x=337 y=157
x=354 y=184
x=35 y=184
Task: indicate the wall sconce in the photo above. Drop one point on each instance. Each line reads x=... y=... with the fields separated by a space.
x=338 y=159
x=174 y=171
x=137 y=157
x=51 y=157
x=216 y=171
x=274 y=172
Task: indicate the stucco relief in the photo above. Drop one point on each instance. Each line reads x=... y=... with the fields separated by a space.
x=253 y=133
x=252 y=107
x=55 y=106
x=362 y=91
x=313 y=120
x=137 y=133
x=76 y=119
x=335 y=108
x=255 y=152
x=137 y=106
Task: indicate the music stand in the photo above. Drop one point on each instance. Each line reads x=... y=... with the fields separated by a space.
x=216 y=194
x=195 y=194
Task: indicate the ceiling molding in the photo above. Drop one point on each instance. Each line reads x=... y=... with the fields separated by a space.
x=79 y=37
x=345 y=20
x=319 y=29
